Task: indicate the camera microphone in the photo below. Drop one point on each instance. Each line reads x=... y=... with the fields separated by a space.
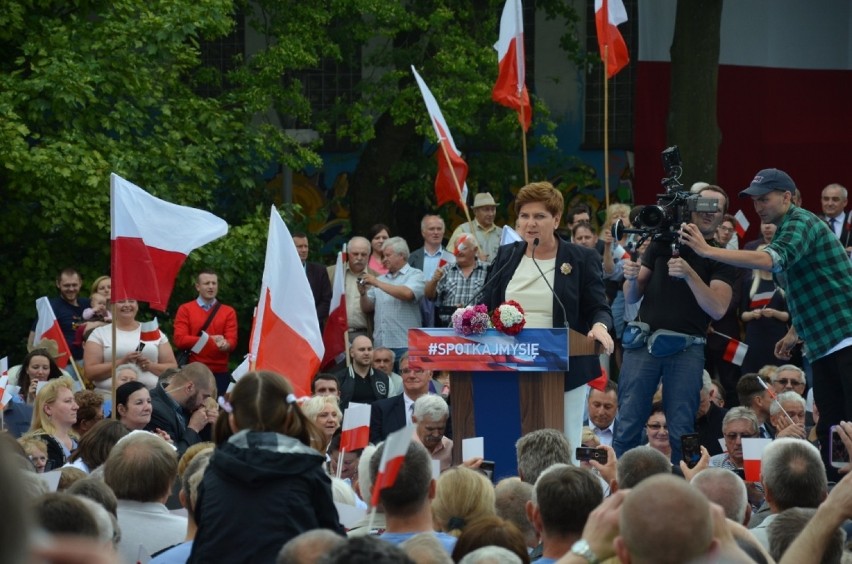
x=546 y=281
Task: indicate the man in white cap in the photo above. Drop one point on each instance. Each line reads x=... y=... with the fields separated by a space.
x=811 y=265
x=482 y=227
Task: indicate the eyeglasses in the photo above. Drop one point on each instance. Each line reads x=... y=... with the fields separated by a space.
x=657 y=426
x=725 y=229
x=733 y=436
x=785 y=381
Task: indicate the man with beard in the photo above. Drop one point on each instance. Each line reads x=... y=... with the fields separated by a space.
x=179 y=408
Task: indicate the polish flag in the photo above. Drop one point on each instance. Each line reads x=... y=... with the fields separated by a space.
x=393 y=455
x=150 y=330
x=742 y=224
x=511 y=88
x=735 y=352
x=452 y=173
x=752 y=455
x=355 y=431
x=599 y=383
x=286 y=336
x=150 y=241
x=761 y=300
x=608 y=15
x=334 y=332
x=6 y=391
x=47 y=327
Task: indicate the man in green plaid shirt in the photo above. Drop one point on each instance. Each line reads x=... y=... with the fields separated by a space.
x=811 y=265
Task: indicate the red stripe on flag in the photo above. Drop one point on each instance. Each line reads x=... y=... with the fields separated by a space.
x=143 y=273
x=354 y=439
x=505 y=90
x=285 y=351
x=387 y=478
x=451 y=177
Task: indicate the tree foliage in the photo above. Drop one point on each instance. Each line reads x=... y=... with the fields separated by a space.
x=89 y=87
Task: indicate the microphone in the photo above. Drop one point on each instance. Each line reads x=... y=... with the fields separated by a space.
x=492 y=277
x=546 y=281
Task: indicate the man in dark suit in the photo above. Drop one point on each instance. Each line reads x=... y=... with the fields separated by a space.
x=179 y=408
x=428 y=258
x=834 y=197
x=392 y=414
x=317 y=278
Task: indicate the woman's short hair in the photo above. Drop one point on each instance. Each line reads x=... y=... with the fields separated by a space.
x=46 y=396
x=463 y=496
x=313 y=406
x=129 y=366
x=542 y=192
x=264 y=401
x=123 y=393
x=95 y=446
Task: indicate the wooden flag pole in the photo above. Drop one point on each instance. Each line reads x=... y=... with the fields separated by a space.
x=606 y=126
x=524 y=140
x=113 y=414
x=458 y=189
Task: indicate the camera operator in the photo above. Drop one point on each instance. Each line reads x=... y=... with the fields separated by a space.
x=680 y=292
x=808 y=260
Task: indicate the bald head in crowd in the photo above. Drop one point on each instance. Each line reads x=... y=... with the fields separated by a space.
x=309 y=547
x=723 y=487
x=664 y=508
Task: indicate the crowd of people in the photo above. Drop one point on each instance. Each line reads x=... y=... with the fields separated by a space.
x=193 y=467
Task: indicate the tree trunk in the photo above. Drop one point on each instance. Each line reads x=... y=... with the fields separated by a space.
x=371 y=189
x=692 y=121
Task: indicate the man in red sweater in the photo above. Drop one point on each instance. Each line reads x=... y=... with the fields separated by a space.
x=213 y=347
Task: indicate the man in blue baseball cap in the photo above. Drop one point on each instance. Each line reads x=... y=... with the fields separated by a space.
x=811 y=265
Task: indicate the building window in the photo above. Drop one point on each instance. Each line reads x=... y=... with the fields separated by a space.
x=621 y=87
x=221 y=54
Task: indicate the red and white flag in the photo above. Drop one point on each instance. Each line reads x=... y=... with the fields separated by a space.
x=608 y=15
x=511 y=88
x=4 y=366
x=6 y=391
x=761 y=300
x=735 y=352
x=150 y=330
x=742 y=224
x=355 y=431
x=752 y=456
x=47 y=327
x=334 y=332
x=150 y=241
x=451 y=175
x=286 y=336
x=393 y=455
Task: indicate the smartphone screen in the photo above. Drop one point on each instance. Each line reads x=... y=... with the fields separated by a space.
x=487 y=468
x=140 y=346
x=690 y=447
x=839 y=456
x=591 y=453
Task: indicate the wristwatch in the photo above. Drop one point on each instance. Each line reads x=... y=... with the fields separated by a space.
x=602 y=324
x=582 y=548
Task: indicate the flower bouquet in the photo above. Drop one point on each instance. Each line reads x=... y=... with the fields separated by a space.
x=509 y=318
x=470 y=320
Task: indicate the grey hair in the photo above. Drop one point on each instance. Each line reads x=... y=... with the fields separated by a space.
x=383 y=349
x=425 y=547
x=429 y=216
x=788 y=368
x=129 y=366
x=397 y=245
x=775 y=406
x=737 y=413
x=722 y=486
x=836 y=185
x=432 y=407
x=365 y=484
x=358 y=239
x=491 y=555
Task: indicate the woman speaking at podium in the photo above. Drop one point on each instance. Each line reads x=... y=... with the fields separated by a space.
x=556 y=283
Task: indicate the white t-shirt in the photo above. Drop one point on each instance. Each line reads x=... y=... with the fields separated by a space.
x=127 y=343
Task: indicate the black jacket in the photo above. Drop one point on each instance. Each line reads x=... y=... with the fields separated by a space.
x=578 y=282
x=259 y=491
x=379 y=384
x=166 y=418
